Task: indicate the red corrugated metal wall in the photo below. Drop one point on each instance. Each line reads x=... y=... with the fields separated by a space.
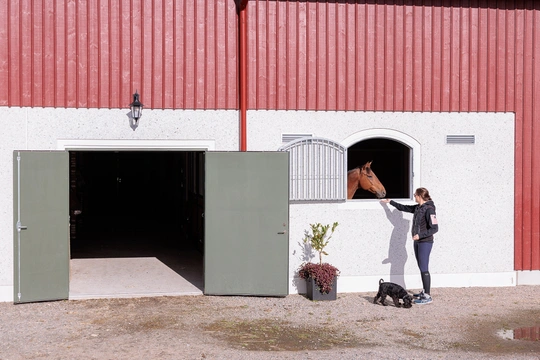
x=422 y=56
x=377 y=55
x=96 y=53
x=317 y=55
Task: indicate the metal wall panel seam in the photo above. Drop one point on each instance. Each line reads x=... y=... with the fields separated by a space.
x=205 y=57
x=165 y=67
x=389 y=58
x=398 y=64
x=331 y=57
x=510 y=61
x=215 y=61
x=84 y=56
x=122 y=90
x=112 y=58
x=200 y=46
x=463 y=53
x=7 y=88
x=99 y=65
x=535 y=158
x=455 y=57
x=518 y=176
x=527 y=141
x=5 y=45
x=93 y=56
x=159 y=54
x=32 y=28
x=37 y=55
x=267 y=91
x=184 y=58
x=428 y=56
x=491 y=58
x=48 y=53
x=25 y=80
x=473 y=59
x=418 y=60
x=501 y=60
x=65 y=55
x=18 y=51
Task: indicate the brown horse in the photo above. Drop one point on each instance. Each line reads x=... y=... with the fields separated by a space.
x=365 y=178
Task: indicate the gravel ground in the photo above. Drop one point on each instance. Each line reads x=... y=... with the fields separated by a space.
x=461 y=323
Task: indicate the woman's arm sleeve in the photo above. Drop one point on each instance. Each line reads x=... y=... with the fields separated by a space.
x=400 y=207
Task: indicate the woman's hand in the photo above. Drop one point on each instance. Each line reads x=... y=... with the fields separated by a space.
x=416 y=237
x=386 y=201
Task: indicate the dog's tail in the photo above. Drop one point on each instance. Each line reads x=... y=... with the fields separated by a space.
x=381 y=281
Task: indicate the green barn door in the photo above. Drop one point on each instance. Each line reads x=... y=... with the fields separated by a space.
x=41 y=225
x=246 y=247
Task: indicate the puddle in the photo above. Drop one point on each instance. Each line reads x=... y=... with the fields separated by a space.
x=525 y=333
x=273 y=335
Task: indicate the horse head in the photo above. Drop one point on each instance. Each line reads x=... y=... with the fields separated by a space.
x=365 y=178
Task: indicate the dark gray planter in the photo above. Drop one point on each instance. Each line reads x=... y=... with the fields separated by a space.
x=313 y=292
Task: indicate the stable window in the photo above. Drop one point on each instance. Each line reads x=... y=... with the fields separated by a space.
x=396 y=160
x=317 y=170
x=391 y=162
x=318 y=166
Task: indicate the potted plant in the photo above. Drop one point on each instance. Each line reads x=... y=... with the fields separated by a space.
x=321 y=278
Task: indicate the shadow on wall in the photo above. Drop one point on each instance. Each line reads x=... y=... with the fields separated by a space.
x=397 y=251
x=308 y=255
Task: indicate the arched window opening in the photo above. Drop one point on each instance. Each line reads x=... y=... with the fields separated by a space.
x=391 y=162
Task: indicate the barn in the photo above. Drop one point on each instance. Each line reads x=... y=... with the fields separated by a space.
x=253 y=112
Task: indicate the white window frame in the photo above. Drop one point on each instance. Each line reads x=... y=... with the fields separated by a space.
x=394 y=135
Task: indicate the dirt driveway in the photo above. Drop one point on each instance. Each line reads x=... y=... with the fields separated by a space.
x=463 y=323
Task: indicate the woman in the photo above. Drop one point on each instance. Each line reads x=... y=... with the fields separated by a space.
x=424 y=226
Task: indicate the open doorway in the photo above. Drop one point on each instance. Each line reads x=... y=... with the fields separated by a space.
x=136 y=223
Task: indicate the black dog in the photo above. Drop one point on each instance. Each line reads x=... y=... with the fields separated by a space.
x=395 y=291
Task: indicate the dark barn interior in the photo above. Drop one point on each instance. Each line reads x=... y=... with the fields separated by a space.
x=139 y=204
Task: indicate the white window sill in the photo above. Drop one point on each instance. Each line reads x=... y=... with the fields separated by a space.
x=370 y=204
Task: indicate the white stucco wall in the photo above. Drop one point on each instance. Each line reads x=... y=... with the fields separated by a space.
x=53 y=129
x=472 y=186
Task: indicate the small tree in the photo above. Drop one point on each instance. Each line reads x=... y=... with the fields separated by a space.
x=322 y=273
x=319 y=237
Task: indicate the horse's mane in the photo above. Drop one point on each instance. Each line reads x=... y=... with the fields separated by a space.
x=368 y=168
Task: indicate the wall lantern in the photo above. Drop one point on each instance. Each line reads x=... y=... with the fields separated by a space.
x=136 y=108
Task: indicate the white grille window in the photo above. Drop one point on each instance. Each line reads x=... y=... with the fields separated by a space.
x=317 y=170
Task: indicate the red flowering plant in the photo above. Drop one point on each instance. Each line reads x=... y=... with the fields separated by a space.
x=322 y=273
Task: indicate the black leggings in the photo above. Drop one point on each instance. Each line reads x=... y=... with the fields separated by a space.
x=422 y=250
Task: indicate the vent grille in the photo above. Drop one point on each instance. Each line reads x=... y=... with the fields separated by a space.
x=286 y=138
x=460 y=139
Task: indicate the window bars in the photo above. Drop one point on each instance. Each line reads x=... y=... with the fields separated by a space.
x=317 y=170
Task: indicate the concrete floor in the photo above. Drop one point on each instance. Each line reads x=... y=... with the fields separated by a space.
x=108 y=266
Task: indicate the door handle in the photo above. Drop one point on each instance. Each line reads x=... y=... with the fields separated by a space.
x=282 y=232
x=21 y=227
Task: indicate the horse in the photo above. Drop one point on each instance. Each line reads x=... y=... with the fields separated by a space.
x=365 y=178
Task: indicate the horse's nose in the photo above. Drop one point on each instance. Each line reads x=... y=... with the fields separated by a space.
x=381 y=194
